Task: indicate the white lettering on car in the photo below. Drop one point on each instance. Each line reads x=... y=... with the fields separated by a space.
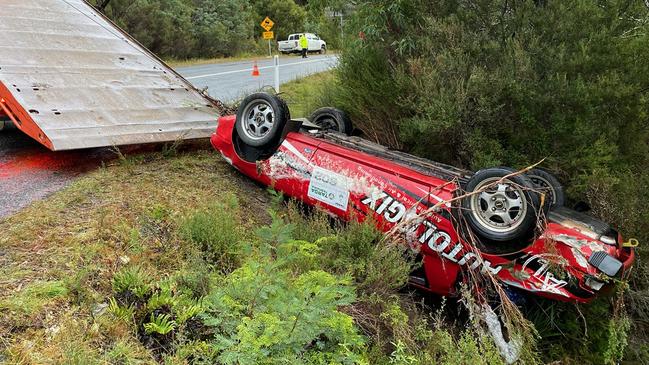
x=374 y=197
x=549 y=283
x=395 y=212
x=437 y=240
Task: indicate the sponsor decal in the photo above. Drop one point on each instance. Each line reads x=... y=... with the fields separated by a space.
x=329 y=187
x=436 y=239
x=548 y=282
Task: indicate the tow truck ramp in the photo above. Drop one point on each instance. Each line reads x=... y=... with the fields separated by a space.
x=71 y=79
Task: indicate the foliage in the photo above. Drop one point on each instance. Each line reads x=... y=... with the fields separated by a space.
x=161 y=324
x=222 y=28
x=355 y=249
x=216 y=231
x=157 y=309
x=287 y=15
x=163 y=26
x=488 y=83
x=34 y=297
x=268 y=312
x=183 y=29
x=133 y=281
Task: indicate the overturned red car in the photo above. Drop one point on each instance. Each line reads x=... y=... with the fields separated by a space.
x=496 y=221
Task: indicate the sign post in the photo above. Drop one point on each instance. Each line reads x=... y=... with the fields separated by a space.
x=276 y=59
x=268 y=24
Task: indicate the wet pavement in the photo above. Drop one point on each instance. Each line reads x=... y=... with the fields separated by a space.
x=233 y=80
x=29 y=171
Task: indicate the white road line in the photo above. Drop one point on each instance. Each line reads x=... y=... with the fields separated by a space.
x=261 y=68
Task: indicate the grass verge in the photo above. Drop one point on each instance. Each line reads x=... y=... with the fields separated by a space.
x=305 y=95
x=59 y=255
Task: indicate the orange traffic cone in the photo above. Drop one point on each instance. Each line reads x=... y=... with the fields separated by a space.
x=255 y=70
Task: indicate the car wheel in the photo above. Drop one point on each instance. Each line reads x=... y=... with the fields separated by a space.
x=332 y=120
x=500 y=212
x=323 y=50
x=549 y=185
x=261 y=119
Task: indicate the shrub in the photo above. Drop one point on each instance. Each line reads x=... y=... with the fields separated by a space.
x=217 y=232
x=276 y=309
x=488 y=83
x=356 y=249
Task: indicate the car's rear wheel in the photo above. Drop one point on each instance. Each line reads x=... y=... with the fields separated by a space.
x=501 y=211
x=332 y=120
x=323 y=49
x=261 y=119
x=548 y=185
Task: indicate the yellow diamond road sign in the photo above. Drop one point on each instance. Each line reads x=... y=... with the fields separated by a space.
x=268 y=35
x=267 y=24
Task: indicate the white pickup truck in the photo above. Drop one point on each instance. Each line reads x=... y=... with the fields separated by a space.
x=292 y=45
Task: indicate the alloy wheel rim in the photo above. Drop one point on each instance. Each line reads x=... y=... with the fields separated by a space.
x=500 y=208
x=259 y=119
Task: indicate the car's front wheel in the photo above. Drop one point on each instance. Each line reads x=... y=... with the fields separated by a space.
x=323 y=49
x=261 y=119
x=502 y=210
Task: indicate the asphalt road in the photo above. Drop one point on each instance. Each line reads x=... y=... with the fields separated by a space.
x=231 y=81
x=29 y=172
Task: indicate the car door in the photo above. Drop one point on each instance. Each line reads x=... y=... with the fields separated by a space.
x=313 y=42
x=356 y=185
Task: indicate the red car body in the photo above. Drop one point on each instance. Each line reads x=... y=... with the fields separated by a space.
x=329 y=171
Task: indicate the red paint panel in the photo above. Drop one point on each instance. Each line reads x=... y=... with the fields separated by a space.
x=354 y=185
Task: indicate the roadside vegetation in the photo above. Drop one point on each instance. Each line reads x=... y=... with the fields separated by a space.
x=178 y=30
x=173 y=257
x=489 y=83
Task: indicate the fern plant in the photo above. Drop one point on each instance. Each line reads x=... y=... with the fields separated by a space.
x=121 y=312
x=161 y=298
x=161 y=324
x=185 y=313
x=132 y=280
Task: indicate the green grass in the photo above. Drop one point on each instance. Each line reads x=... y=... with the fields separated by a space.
x=33 y=297
x=60 y=254
x=305 y=95
x=209 y=61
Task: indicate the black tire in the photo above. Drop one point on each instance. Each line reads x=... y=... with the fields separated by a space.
x=332 y=120
x=503 y=217
x=261 y=119
x=323 y=50
x=549 y=185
